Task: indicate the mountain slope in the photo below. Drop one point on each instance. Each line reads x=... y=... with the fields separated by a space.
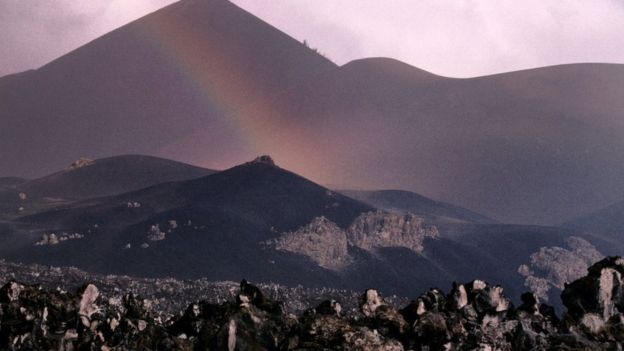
x=262 y=222
x=212 y=226
x=8 y=182
x=87 y=178
x=207 y=83
x=406 y=201
x=194 y=65
x=110 y=176
x=534 y=146
x=608 y=222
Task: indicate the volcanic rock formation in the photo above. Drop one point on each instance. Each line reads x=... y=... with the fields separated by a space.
x=328 y=245
x=472 y=316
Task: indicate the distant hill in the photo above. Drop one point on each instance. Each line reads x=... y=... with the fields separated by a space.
x=220 y=223
x=109 y=176
x=535 y=146
x=265 y=223
x=195 y=67
x=90 y=179
x=407 y=201
x=607 y=222
x=7 y=182
x=204 y=82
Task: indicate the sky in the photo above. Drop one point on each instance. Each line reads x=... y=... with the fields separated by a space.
x=459 y=38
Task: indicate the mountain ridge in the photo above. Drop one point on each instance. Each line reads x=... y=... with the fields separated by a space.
x=86 y=178
x=535 y=146
x=512 y=146
x=120 y=91
x=605 y=222
x=394 y=200
x=265 y=222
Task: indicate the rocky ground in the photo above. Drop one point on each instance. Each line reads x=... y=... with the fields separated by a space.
x=472 y=316
x=168 y=296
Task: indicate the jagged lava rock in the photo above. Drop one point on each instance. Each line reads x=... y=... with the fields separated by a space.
x=595 y=304
x=473 y=316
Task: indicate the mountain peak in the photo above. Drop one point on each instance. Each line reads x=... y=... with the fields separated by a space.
x=203 y=60
x=265 y=159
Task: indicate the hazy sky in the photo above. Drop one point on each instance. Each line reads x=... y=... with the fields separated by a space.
x=450 y=37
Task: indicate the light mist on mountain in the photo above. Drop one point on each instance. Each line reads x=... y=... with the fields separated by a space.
x=207 y=83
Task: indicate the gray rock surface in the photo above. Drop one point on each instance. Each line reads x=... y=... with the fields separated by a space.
x=328 y=245
x=380 y=229
x=321 y=240
x=552 y=267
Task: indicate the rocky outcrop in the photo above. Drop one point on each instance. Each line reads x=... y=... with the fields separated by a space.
x=596 y=304
x=473 y=316
x=321 y=240
x=33 y=319
x=552 y=267
x=53 y=239
x=81 y=162
x=155 y=234
x=380 y=229
x=328 y=245
x=266 y=159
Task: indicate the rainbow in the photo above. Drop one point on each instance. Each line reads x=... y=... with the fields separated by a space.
x=244 y=108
